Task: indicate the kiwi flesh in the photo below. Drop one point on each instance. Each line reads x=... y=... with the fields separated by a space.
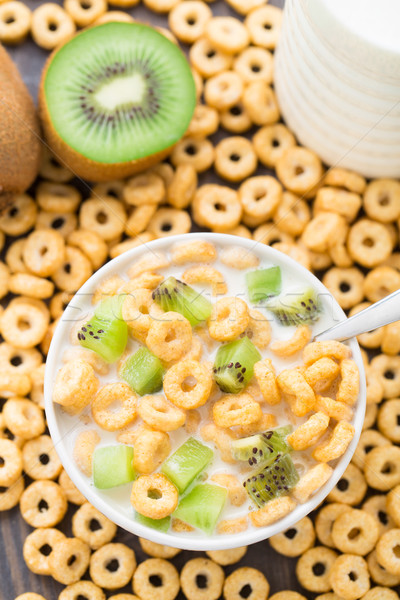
x=234 y=365
x=272 y=481
x=143 y=372
x=20 y=147
x=186 y=463
x=114 y=100
x=296 y=308
x=202 y=506
x=106 y=333
x=263 y=448
x=180 y=297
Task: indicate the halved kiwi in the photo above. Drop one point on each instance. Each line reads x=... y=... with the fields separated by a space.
x=114 y=99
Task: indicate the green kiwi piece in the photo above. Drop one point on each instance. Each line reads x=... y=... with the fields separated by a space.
x=202 y=506
x=106 y=333
x=264 y=283
x=159 y=524
x=234 y=365
x=296 y=308
x=184 y=465
x=143 y=372
x=263 y=448
x=112 y=466
x=177 y=296
x=272 y=481
x=119 y=92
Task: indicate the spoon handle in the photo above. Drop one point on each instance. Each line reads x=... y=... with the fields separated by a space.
x=378 y=314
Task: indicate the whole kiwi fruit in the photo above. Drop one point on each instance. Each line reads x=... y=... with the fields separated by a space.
x=115 y=99
x=20 y=144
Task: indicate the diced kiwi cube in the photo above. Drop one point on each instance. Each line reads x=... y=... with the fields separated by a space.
x=143 y=372
x=112 y=466
x=159 y=524
x=184 y=465
x=234 y=365
x=202 y=506
x=173 y=294
x=263 y=283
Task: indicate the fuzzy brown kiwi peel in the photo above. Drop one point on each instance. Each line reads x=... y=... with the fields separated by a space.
x=20 y=146
x=115 y=99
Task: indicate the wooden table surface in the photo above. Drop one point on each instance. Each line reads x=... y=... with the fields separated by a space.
x=15 y=577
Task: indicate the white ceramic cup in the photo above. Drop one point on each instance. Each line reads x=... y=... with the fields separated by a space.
x=108 y=501
x=337 y=79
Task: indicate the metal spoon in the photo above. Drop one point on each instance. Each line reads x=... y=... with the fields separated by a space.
x=381 y=313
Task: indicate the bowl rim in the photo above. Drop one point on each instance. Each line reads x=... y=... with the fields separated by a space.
x=185 y=542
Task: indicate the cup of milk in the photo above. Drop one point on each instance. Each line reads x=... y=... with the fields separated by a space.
x=337 y=78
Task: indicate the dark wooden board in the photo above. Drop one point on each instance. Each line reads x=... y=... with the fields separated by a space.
x=15 y=578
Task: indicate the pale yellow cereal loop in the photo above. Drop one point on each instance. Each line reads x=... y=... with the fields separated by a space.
x=297 y=342
x=309 y=432
x=337 y=444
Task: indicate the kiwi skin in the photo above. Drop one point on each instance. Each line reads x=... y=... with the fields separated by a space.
x=20 y=145
x=80 y=165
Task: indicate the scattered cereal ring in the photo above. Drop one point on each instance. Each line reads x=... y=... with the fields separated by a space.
x=83 y=588
x=69 y=560
x=223 y=90
x=382 y=200
x=71 y=491
x=93 y=528
x=74 y=271
x=355 y=532
x=227 y=557
x=9 y=496
x=37 y=548
x=20 y=216
x=40 y=458
x=188 y=20
x=91 y=244
x=11 y=460
x=43 y=504
x=51 y=26
x=105 y=216
x=198 y=152
x=349 y=576
x=15 y=22
x=235 y=158
x=112 y=566
x=369 y=243
x=264 y=25
x=379 y=574
x=24 y=418
x=216 y=207
x=296 y=540
x=227 y=34
x=377 y=508
x=382 y=467
x=85 y=15
x=23 y=324
x=164 y=571
x=249 y=579
x=200 y=570
x=254 y=64
x=158 y=550
x=183 y=185
x=351 y=487
x=313 y=569
x=325 y=519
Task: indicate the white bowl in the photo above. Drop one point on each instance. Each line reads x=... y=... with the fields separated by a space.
x=104 y=500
